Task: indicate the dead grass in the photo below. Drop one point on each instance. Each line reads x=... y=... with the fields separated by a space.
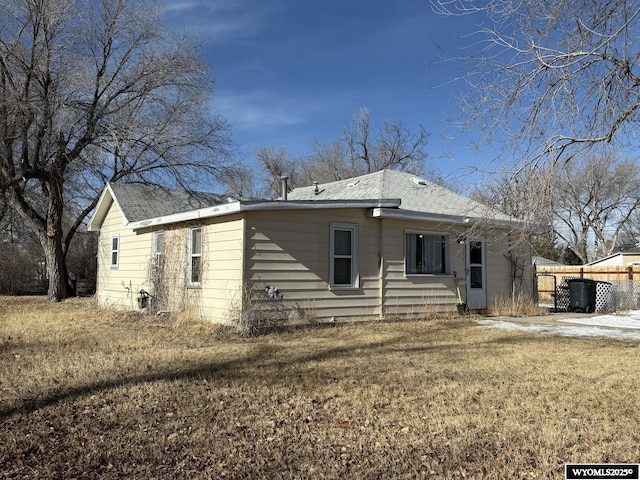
x=86 y=393
x=516 y=306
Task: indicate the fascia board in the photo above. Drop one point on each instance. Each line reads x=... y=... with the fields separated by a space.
x=236 y=207
x=435 y=217
x=420 y=216
x=322 y=204
x=215 y=211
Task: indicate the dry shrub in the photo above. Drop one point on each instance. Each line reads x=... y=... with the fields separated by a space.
x=516 y=306
x=189 y=314
x=86 y=393
x=256 y=314
x=439 y=312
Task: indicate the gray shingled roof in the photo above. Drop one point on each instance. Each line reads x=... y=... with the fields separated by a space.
x=415 y=193
x=141 y=202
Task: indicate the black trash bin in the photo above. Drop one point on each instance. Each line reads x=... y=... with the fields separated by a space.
x=582 y=295
x=143 y=299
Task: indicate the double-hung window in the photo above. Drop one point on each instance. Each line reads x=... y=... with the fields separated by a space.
x=343 y=269
x=195 y=257
x=426 y=253
x=115 y=251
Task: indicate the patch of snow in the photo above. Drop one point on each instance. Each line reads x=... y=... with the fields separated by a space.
x=620 y=327
x=631 y=320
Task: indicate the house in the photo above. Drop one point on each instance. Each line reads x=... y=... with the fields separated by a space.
x=383 y=244
x=625 y=258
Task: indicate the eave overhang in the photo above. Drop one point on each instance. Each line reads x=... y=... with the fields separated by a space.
x=469 y=221
x=276 y=205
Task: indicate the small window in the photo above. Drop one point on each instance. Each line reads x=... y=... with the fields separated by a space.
x=344 y=258
x=426 y=254
x=158 y=244
x=475 y=264
x=115 y=251
x=195 y=256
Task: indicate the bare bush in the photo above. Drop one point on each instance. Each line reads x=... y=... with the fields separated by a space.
x=261 y=310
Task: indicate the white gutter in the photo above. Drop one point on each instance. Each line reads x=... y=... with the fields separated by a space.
x=442 y=218
x=426 y=217
x=236 y=207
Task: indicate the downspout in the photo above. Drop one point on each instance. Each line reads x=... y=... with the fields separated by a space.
x=381 y=267
x=244 y=275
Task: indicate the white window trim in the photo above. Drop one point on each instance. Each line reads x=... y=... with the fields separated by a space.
x=447 y=253
x=191 y=283
x=116 y=251
x=355 y=274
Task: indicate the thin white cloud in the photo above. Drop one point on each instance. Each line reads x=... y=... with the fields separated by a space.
x=219 y=20
x=260 y=110
x=175 y=6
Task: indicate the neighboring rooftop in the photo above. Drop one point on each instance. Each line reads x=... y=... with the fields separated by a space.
x=631 y=254
x=545 y=262
x=417 y=194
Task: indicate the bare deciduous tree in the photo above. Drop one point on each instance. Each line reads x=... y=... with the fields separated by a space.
x=361 y=150
x=326 y=163
x=239 y=181
x=90 y=92
x=394 y=146
x=587 y=201
x=554 y=76
x=276 y=163
x=21 y=261
x=594 y=199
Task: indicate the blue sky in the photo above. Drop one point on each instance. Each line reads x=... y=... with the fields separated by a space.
x=289 y=72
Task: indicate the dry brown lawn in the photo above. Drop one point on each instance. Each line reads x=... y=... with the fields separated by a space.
x=87 y=393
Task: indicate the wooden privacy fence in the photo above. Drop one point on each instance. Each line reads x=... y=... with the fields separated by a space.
x=625 y=281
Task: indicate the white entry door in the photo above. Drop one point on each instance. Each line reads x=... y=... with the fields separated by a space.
x=476 y=273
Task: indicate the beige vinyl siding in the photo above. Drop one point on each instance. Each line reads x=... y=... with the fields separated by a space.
x=416 y=294
x=501 y=281
x=219 y=290
x=119 y=286
x=498 y=271
x=290 y=250
x=222 y=251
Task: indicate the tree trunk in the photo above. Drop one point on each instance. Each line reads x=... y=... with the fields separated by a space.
x=52 y=243
x=56 y=269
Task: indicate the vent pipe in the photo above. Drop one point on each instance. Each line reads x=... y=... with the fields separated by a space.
x=285 y=187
